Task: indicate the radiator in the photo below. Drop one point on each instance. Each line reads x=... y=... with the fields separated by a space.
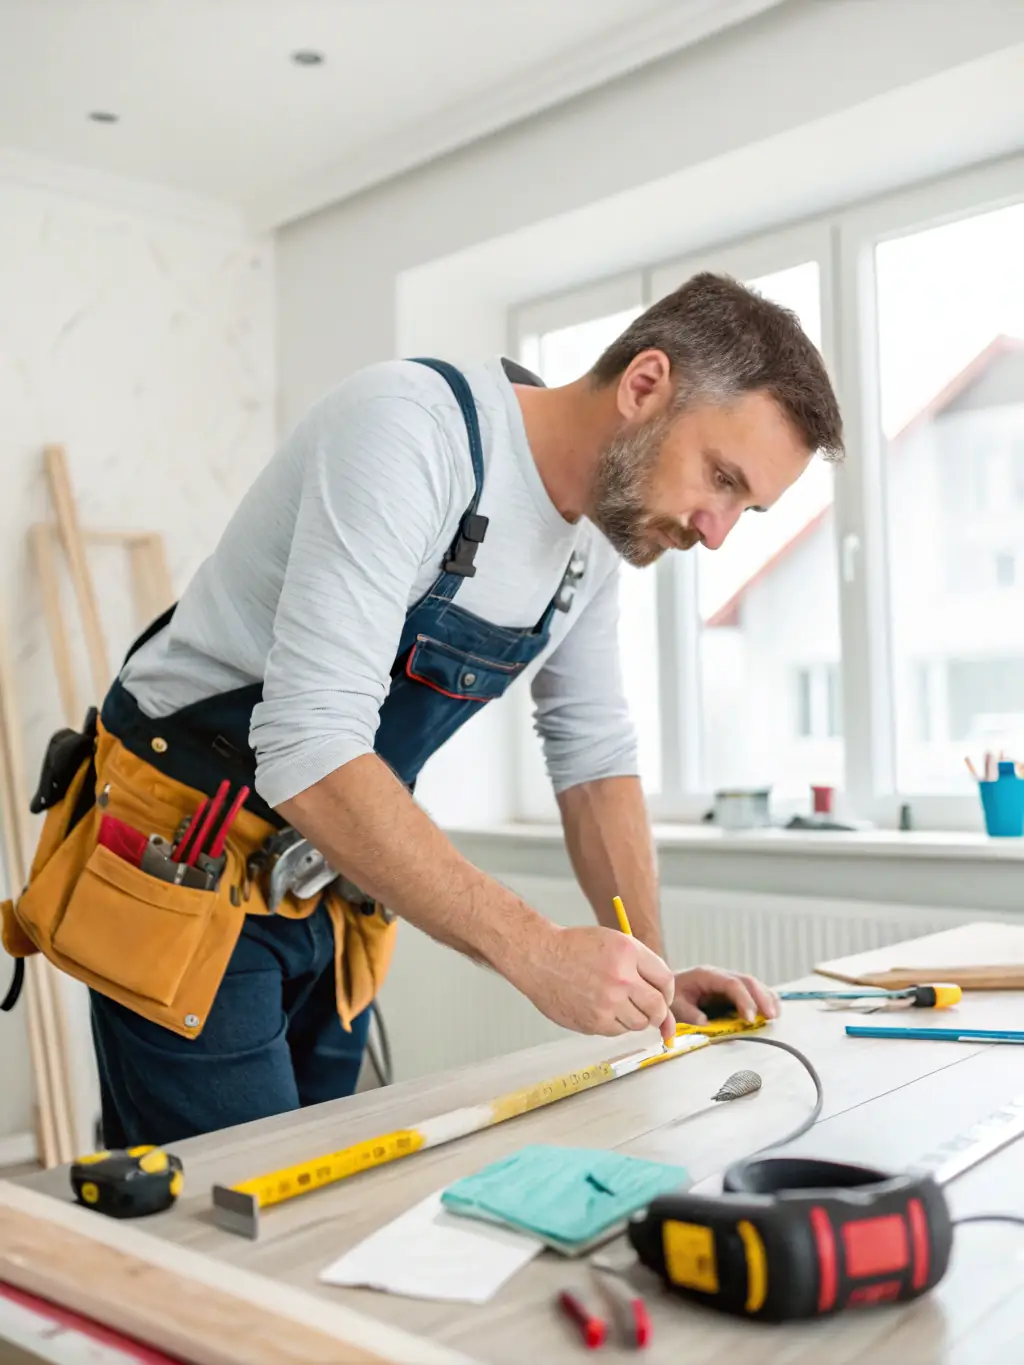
x=442 y=1011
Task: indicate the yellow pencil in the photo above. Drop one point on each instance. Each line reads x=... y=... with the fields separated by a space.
x=620 y=915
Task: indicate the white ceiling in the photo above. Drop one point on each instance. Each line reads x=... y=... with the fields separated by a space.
x=210 y=103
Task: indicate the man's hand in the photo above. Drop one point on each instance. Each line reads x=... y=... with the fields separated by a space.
x=749 y=995
x=596 y=980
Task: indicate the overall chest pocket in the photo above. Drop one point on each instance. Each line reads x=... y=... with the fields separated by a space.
x=457 y=673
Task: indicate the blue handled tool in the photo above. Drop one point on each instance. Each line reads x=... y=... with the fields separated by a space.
x=938 y=1035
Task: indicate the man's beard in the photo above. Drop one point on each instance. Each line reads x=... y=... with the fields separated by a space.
x=624 y=476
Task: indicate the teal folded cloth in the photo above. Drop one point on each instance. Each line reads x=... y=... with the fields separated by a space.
x=567 y=1196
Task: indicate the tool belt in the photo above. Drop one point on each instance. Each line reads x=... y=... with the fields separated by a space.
x=158 y=948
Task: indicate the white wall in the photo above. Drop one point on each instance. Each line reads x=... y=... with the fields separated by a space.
x=144 y=342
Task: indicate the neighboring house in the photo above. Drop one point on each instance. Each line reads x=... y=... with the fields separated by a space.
x=955 y=496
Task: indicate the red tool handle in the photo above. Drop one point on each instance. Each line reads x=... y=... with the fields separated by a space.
x=208 y=819
x=193 y=825
x=217 y=847
x=591 y=1328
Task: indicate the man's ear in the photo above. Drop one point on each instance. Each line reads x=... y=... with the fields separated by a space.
x=645 y=386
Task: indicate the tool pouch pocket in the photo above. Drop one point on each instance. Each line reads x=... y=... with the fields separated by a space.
x=366 y=945
x=126 y=927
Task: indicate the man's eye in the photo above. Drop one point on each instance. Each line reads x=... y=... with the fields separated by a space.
x=724 y=480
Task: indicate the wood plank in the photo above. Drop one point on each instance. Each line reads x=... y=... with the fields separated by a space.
x=196 y=1309
x=981 y=956
x=55 y=462
x=42 y=539
x=45 y=1019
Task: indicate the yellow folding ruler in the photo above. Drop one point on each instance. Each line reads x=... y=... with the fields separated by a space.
x=236 y=1208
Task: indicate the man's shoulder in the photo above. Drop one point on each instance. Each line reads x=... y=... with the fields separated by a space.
x=400 y=381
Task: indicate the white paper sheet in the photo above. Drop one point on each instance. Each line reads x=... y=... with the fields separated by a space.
x=428 y=1253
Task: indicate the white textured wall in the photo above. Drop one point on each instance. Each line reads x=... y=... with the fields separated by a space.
x=145 y=345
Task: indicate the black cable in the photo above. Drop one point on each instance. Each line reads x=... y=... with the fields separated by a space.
x=381 y=1063
x=806 y=1124
x=990 y=1218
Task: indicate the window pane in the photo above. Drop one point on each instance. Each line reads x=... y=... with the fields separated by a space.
x=564 y=355
x=951 y=358
x=769 y=606
x=560 y=357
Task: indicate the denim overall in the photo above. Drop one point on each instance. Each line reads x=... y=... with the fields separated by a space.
x=273 y=1040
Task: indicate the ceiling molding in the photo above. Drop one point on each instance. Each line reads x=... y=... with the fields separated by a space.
x=122 y=192
x=593 y=64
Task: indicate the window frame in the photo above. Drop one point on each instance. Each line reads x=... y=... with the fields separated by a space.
x=843 y=243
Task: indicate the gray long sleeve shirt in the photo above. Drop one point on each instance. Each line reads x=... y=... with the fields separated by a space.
x=341 y=534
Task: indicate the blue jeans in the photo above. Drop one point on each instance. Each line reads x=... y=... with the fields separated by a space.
x=273 y=1042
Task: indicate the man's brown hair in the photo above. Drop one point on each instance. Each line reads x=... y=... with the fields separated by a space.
x=723 y=340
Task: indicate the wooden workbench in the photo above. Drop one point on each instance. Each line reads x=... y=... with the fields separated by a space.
x=887 y=1102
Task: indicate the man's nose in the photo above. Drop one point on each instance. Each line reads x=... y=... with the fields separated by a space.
x=714 y=526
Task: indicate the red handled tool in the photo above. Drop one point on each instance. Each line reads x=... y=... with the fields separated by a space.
x=217 y=847
x=207 y=824
x=591 y=1328
x=193 y=825
x=628 y=1309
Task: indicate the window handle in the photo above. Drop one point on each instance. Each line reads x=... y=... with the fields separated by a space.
x=851 y=549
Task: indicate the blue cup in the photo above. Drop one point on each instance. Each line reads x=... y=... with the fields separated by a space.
x=1003 y=803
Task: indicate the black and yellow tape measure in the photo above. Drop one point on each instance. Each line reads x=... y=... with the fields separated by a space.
x=128 y=1184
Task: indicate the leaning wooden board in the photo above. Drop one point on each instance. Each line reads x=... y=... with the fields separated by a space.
x=887 y=1102
x=990 y=958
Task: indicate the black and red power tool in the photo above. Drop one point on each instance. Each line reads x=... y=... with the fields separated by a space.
x=793 y=1238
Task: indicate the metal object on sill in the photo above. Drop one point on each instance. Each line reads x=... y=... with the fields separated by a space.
x=742 y=808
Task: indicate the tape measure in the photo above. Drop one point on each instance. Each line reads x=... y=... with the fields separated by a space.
x=794 y=1238
x=127 y=1184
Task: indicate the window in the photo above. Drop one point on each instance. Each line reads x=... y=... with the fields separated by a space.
x=564 y=354
x=951 y=384
x=1006 y=570
x=834 y=702
x=803 y=703
x=765 y=598
x=818 y=704
x=863 y=633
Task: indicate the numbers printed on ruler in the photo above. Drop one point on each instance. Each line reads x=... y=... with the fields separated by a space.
x=350 y=1161
x=547 y=1092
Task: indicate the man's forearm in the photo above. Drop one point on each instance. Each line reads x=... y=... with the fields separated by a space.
x=608 y=835
x=367 y=825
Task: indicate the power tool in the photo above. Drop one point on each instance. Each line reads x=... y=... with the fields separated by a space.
x=127 y=1184
x=794 y=1237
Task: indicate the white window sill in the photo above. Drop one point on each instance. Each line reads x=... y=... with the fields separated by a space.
x=814 y=843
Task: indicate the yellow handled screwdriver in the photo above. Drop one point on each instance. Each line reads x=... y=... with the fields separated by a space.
x=938 y=996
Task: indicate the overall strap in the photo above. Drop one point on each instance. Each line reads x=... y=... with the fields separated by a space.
x=154 y=628
x=473 y=527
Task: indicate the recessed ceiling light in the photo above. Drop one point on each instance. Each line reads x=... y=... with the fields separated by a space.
x=103 y=116
x=307 y=57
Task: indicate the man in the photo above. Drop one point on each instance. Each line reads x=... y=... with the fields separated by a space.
x=412 y=547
